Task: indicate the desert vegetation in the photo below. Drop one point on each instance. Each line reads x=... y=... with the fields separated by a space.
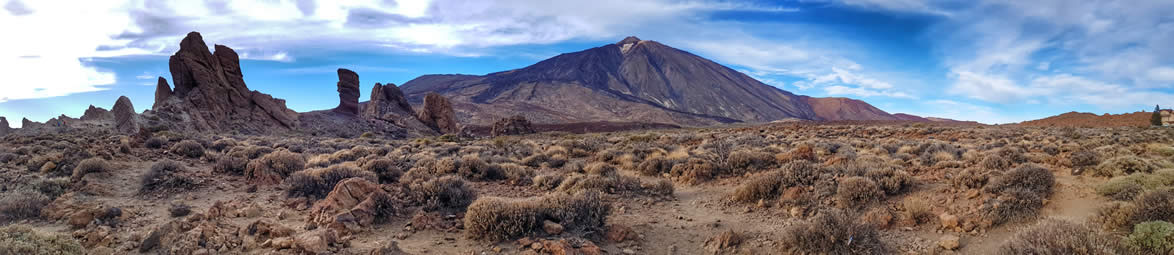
x=774 y=189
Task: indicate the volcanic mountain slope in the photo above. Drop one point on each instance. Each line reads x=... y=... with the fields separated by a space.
x=633 y=81
x=839 y=108
x=1084 y=119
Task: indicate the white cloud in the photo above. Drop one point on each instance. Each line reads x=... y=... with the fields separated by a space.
x=864 y=92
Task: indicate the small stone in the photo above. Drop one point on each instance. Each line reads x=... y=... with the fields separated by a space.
x=948 y=220
x=552 y=228
x=971 y=194
x=629 y=251
x=948 y=242
x=536 y=246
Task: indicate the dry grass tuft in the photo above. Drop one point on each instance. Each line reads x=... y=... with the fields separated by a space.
x=447 y=192
x=318 y=182
x=1061 y=237
x=188 y=148
x=21 y=205
x=1123 y=165
x=20 y=239
x=833 y=232
x=857 y=192
x=498 y=219
x=90 y=165
x=274 y=167
x=165 y=176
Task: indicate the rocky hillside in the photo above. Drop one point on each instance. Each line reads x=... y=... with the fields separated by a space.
x=1084 y=119
x=839 y=108
x=630 y=81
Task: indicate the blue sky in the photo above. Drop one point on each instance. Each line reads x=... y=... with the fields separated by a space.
x=990 y=61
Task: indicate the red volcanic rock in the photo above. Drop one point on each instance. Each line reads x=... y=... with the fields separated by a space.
x=839 y=108
x=210 y=92
x=124 y=116
x=348 y=92
x=385 y=100
x=162 y=91
x=516 y=125
x=437 y=112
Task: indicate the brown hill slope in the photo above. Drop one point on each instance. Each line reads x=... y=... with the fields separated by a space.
x=839 y=108
x=1084 y=119
x=630 y=81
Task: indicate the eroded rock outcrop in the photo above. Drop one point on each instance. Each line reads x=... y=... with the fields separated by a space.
x=437 y=112
x=124 y=116
x=210 y=92
x=348 y=92
x=387 y=103
x=162 y=91
x=516 y=125
x=4 y=127
x=353 y=204
x=95 y=113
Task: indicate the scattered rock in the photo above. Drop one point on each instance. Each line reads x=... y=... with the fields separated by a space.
x=725 y=240
x=552 y=228
x=352 y=204
x=516 y=125
x=948 y=220
x=949 y=242
x=315 y=242
x=619 y=233
x=392 y=248
x=95 y=113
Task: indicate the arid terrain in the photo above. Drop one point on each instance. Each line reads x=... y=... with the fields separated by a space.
x=789 y=188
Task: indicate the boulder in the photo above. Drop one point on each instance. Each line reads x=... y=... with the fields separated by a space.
x=210 y=93
x=124 y=116
x=437 y=112
x=348 y=92
x=162 y=92
x=354 y=203
x=516 y=125
x=949 y=242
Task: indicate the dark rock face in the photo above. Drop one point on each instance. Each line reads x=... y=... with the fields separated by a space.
x=25 y=123
x=4 y=127
x=437 y=113
x=387 y=103
x=95 y=113
x=348 y=92
x=210 y=92
x=516 y=125
x=124 y=116
x=630 y=81
x=162 y=92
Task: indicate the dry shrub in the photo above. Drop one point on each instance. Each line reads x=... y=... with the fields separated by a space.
x=694 y=171
x=547 y=181
x=856 y=192
x=891 y=180
x=1003 y=158
x=970 y=178
x=1030 y=177
x=474 y=168
x=279 y=163
x=770 y=185
x=230 y=164
x=803 y=152
x=1123 y=165
x=660 y=187
x=1084 y=158
x=21 y=204
x=249 y=152
x=600 y=168
x=165 y=175
x=654 y=165
x=516 y=174
x=385 y=169
x=188 y=148
x=155 y=142
x=1123 y=188
x=918 y=209
x=1160 y=149
x=750 y=161
x=20 y=239
x=1011 y=205
x=52 y=187
x=447 y=192
x=498 y=219
x=1154 y=206
x=90 y=165
x=318 y=182
x=1115 y=215
x=725 y=240
x=606 y=184
x=833 y=232
x=223 y=144
x=1054 y=236
x=1153 y=237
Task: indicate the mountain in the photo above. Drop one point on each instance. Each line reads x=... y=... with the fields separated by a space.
x=1084 y=119
x=839 y=108
x=630 y=81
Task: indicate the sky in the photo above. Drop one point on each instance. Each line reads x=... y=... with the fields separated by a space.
x=992 y=61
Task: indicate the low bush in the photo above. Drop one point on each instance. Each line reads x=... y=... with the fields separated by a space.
x=1155 y=205
x=750 y=161
x=1123 y=165
x=1061 y=237
x=164 y=176
x=1084 y=158
x=856 y=192
x=274 y=167
x=155 y=142
x=655 y=165
x=21 y=205
x=52 y=187
x=1152 y=237
x=498 y=219
x=770 y=185
x=1029 y=177
x=970 y=178
x=447 y=192
x=1123 y=188
x=316 y=183
x=223 y=144
x=891 y=180
x=600 y=168
x=19 y=239
x=90 y=165
x=385 y=169
x=833 y=232
x=547 y=181
x=1011 y=205
x=188 y=148
x=694 y=171
x=231 y=165
x=1115 y=215
x=659 y=187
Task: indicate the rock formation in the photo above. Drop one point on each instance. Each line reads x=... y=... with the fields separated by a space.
x=4 y=128
x=387 y=103
x=516 y=125
x=95 y=113
x=124 y=116
x=437 y=112
x=27 y=124
x=348 y=92
x=162 y=91
x=210 y=92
